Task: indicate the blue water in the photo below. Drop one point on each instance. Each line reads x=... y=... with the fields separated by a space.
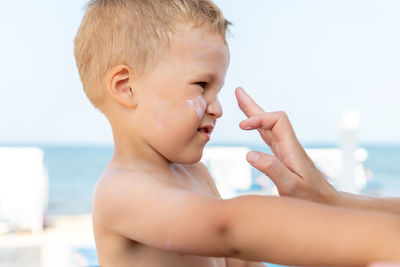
x=384 y=162
x=74 y=170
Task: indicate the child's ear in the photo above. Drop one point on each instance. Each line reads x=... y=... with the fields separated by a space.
x=120 y=85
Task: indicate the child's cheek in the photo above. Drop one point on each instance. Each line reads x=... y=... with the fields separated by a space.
x=180 y=115
x=197 y=105
x=176 y=117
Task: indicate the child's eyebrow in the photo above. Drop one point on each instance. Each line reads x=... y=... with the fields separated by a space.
x=209 y=76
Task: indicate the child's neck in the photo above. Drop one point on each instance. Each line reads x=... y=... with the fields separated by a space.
x=137 y=155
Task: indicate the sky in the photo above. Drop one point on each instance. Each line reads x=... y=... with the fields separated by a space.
x=314 y=59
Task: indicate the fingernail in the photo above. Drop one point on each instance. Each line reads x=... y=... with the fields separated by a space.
x=241 y=88
x=252 y=156
x=248 y=128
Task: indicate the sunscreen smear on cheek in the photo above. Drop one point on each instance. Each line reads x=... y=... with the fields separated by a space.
x=198 y=105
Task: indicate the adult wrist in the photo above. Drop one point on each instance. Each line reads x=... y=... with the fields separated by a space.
x=341 y=199
x=330 y=196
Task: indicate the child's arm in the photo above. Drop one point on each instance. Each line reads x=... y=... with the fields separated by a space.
x=293 y=172
x=230 y=262
x=254 y=228
x=296 y=232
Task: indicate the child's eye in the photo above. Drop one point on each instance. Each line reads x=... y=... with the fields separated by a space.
x=202 y=84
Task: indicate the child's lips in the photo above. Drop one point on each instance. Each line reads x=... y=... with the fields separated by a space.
x=206 y=131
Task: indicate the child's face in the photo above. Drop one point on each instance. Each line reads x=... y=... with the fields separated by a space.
x=178 y=99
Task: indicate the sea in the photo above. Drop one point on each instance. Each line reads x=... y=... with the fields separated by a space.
x=74 y=169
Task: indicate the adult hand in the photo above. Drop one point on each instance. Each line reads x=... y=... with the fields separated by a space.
x=290 y=168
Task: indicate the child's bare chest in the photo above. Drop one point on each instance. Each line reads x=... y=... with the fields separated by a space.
x=148 y=256
x=189 y=180
x=118 y=254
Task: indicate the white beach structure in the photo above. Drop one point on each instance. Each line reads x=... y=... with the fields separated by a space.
x=229 y=168
x=342 y=166
x=352 y=156
x=345 y=175
x=232 y=173
x=23 y=189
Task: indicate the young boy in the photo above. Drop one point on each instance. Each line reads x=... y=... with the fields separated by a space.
x=155 y=68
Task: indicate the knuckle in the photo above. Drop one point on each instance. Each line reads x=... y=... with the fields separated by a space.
x=267 y=165
x=282 y=114
x=270 y=165
x=265 y=121
x=275 y=163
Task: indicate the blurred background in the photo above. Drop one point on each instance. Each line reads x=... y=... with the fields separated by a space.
x=333 y=66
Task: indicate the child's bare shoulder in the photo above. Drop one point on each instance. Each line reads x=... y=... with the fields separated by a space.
x=153 y=211
x=116 y=187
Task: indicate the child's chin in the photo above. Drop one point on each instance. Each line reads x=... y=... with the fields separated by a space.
x=189 y=160
x=192 y=161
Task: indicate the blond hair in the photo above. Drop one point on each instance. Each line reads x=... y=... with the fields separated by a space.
x=133 y=32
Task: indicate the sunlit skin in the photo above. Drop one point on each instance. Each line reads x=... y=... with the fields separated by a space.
x=293 y=172
x=156 y=205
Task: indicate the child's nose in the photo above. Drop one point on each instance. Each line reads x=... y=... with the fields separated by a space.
x=214 y=108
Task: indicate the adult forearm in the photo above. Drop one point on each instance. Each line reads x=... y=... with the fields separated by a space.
x=295 y=232
x=347 y=200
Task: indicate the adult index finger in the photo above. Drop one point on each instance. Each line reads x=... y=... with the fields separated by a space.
x=277 y=122
x=247 y=104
